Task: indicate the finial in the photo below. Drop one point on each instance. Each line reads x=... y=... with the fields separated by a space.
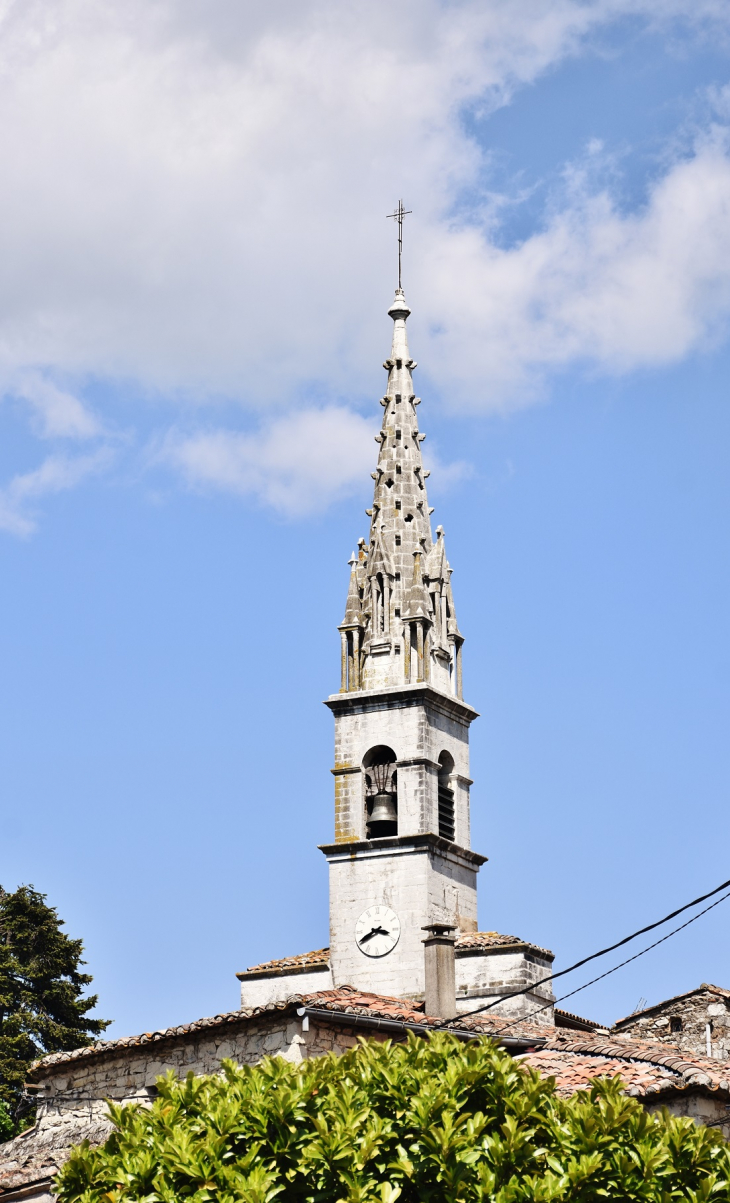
x=399 y=214
x=352 y=560
x=439 y=532
x=399 y=308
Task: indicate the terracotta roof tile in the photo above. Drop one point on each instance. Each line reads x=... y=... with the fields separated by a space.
x=646 y=1067
x=568 y=1018
x=348 y=1000
x=319 y=957
x=576 y=1071
x=345 y=1000
x=574 y=1060
x=468 y=942
x=493 y=939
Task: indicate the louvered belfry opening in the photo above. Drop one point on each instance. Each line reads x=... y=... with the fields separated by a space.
x=447 y=822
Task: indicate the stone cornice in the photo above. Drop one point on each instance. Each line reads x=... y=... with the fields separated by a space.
x=511 y=949
x=401 y=696
x=425 y=841
x=250 y=975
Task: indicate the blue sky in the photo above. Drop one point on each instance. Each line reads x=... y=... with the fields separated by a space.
x=193 y=312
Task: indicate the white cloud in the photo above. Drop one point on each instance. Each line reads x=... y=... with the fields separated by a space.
x=299 y=464
x=56 y=474
x=194 y=201
x=195 y=192
x=617 y=291
x=58 y=413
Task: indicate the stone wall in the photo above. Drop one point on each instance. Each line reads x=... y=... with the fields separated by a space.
x=423 y=878
x=483 y=976
x=699 y=1106
x=72 y=1095
x=697 y=1022
x=419 y=724
x=260 y=989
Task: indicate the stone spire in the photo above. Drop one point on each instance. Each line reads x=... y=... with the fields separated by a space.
x=400 y=625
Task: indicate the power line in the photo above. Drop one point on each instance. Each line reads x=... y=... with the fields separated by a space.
x=592 y=982
x=604 y=951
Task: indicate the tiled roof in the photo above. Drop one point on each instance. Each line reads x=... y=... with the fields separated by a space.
x=646 y=1067
x=567 y=1019
x=706 y=986
x=345 y=1000
x=470 y=942
x=304 y=960
x=494 y=939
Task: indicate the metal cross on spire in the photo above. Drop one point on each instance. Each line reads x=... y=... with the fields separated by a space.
x=399 y=214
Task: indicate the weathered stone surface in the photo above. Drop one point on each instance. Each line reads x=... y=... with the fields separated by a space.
x=485 y=974
x=72 y=1099
x=489 y=967
x=259 y=989
x=422 y=878
x=400 y=710
x=400 y=624
x=697 y=1022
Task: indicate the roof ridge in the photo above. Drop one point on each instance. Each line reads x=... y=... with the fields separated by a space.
x=494 y=939
x=652 y=1053
x=673 y=999
x=299 y=958
x=340 y=999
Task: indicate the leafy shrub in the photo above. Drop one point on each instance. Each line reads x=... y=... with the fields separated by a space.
x=429 y=1120
x=7 y=1127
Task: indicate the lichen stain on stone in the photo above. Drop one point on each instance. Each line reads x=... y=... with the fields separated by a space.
x=342 y=811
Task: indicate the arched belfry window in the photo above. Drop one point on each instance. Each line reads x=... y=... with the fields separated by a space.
x=447 y=824
x=381 y=792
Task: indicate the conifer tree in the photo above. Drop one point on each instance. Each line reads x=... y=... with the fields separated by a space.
x=42 y=1005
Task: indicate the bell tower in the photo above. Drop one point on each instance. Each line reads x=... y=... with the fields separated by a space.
x=401 y=859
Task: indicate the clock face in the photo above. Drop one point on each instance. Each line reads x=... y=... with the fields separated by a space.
x=377 y=931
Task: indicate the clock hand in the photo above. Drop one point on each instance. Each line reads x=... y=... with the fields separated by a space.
x=374 y=931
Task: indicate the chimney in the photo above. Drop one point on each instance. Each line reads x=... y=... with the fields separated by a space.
x=440 y=970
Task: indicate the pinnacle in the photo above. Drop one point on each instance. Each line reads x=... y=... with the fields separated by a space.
x=399 y=355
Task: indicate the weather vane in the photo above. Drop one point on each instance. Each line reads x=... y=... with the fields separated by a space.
x=399 y=214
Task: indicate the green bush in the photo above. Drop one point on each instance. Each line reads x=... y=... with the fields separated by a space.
x=423 y=1121
x=6 y=1122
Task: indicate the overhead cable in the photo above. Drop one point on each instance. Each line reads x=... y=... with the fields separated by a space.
x=592 y=982
x=604 y=951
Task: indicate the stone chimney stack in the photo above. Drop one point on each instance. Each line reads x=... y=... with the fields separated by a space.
x=440 y=970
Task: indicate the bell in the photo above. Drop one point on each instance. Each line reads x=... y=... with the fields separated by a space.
x=384 y=816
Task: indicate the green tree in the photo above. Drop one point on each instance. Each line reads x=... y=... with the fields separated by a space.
x=429 y=1121
x=42 y=1007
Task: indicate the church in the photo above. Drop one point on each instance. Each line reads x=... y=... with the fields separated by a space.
x=401 y=861
x=405 y=954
